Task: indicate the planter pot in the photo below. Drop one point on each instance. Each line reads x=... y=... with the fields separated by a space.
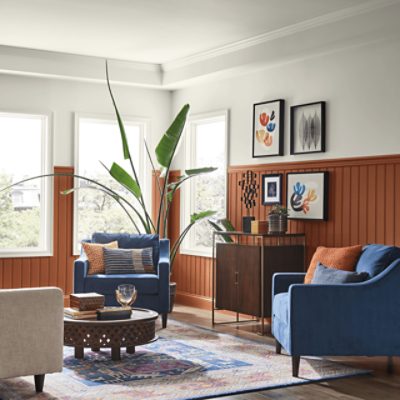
x=277 y=223
x=172 y=293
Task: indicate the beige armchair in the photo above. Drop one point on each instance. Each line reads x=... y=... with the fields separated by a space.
x=31 y=333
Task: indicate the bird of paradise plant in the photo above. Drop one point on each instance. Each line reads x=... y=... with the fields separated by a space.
x=165 y=152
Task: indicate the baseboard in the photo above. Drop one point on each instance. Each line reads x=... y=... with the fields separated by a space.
x=192 y=300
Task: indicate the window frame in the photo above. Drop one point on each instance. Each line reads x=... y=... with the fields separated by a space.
x=145 y=127
x=45 y=248
x=187 y=198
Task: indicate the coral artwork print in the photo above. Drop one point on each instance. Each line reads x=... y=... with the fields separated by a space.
x=268 y=128
x=307 y=195
x=298 y=201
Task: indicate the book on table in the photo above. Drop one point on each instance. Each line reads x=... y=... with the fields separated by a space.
x=74 y=313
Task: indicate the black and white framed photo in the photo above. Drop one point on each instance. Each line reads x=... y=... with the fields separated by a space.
x=307 y=128
x=271 y=189
x=268 y=128
x=307 y=195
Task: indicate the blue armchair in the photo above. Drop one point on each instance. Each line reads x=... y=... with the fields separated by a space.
x=153 y=289
x=353 y=319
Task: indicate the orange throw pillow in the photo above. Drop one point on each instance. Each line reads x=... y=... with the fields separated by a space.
x=94 y=252
x=344 y=258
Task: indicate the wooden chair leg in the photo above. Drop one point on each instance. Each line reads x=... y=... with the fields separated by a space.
x=164 y=319
x=39 y=383
x=390 y=366
x=295 y=366
x=278 y=347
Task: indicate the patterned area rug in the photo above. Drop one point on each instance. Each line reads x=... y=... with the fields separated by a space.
x=185 y=363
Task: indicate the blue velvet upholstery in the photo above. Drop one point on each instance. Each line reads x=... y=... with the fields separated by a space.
x=153 y=289
x=341 y=319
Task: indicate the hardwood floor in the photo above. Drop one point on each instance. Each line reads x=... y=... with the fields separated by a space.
x=379 y=385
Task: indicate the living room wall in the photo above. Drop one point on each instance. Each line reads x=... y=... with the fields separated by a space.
x=360 y=86
x=64 y=98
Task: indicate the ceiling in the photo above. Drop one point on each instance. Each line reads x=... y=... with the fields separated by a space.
x=150 y=31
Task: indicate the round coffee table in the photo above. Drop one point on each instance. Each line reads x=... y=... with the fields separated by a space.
x=139 y=329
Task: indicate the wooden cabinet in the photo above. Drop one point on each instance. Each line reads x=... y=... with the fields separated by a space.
x=242 y=279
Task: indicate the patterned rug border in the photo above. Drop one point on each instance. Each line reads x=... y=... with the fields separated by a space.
x=303 y=381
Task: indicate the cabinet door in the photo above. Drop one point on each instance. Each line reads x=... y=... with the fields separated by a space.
x=226 y=276
x=249 y=288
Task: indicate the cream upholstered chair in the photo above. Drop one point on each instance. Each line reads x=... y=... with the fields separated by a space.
x=31 y=333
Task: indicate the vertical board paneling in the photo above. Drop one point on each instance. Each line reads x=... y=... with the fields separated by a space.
x=47 y=271
x=364 y=195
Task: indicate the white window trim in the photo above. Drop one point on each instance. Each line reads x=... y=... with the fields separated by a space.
x=45 y=248
x=145 y=124
x=186 y=199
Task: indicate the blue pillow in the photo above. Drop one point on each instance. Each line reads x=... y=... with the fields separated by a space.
x=128 y=261
x=131 y=241
x=331 y=276
x=376 y=257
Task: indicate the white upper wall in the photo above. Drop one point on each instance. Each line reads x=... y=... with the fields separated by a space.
x=361 y=86
x=63 y=98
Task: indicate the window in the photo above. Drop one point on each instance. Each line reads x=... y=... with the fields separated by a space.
x=98 y=141
x=25 y=209
x=206 y=145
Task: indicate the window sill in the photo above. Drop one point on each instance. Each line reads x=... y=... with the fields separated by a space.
x=196 y=252
x=27 y=254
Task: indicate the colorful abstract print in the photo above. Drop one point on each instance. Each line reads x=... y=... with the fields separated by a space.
x=298 y=201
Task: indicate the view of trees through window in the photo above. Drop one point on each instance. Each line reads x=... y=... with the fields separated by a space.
x=20 y=158
x=99 y=141
x=208 y=191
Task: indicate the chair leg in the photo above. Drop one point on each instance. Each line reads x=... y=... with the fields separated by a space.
x=164 y=319
x=278 y=347
x=39 y=383
x=295 y=366
x=390 y=367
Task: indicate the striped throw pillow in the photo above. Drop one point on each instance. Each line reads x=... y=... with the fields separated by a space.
x=128 y=261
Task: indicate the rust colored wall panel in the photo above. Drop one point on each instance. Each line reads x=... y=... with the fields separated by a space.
x=47 y=271
x=364 y=194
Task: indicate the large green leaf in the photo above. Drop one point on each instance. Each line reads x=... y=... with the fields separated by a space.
x=166 y=148
x=126 y=180
x=125 y=146
x=196 y=217
x=227 y=224
x=214 y=224
x=198 y=171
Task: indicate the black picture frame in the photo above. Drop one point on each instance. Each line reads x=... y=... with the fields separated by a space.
x=311 y=181
x=269 y=198
x=313 y=139
x=267 y=144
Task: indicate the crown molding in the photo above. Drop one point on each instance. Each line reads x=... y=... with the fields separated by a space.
x=289 y=30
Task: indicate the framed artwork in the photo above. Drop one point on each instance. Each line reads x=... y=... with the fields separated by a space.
x=268 y=124
x=307 y=195
x=271 y=189
x=307 y=128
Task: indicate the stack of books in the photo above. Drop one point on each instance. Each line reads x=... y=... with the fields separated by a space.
x=84 y=305
x=91 y=306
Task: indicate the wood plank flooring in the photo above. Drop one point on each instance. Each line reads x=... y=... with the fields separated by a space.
x=378 y=386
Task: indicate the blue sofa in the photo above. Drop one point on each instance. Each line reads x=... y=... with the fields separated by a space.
x=353 y=319
x=153 y=289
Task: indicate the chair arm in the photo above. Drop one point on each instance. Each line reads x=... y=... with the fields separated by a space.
x=360 y=314
x=81 y=266
x=31 y=331
x=282 y=281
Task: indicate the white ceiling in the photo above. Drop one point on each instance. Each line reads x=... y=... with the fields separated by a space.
x=151 y=31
